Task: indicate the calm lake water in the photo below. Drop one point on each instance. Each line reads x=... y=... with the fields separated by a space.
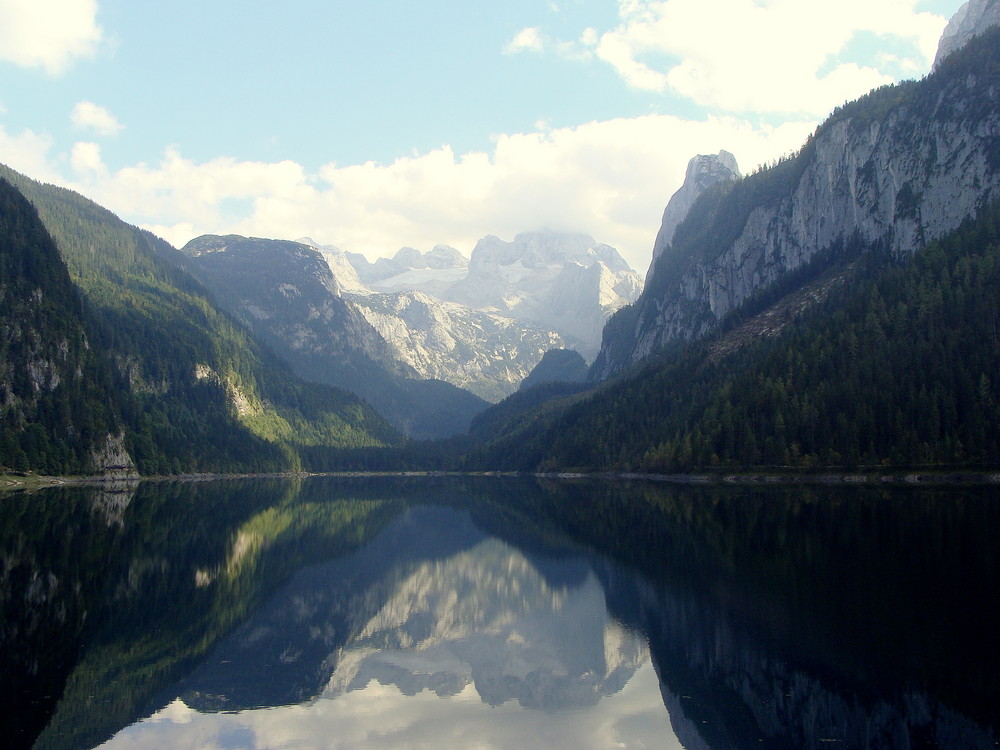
x=499 y=613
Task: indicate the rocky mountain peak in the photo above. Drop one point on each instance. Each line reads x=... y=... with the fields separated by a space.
x=439 y=257
x=209 y=243
x=972 y=19
x=703 y=171
x=409 y=257
x=544 y=249
x=444 y=256
x=294 y=268
x=559 y=280
x=383 y=273
x=340 y=264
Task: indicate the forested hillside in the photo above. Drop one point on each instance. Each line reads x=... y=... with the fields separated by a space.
x=898 y=366
x=55 y=405
x=194 y=390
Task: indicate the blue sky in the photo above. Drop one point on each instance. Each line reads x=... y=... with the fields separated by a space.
x=381 y=124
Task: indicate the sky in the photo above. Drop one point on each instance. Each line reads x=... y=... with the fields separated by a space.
x=389 y=123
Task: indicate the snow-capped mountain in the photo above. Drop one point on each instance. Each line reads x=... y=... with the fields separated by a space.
x=410 y=270
x=483 y=323
x=483 y=352
x=567 y=282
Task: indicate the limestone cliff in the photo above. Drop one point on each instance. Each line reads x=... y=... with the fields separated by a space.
x=971 y=20
x=485 y=353
x=703 y=171
x=894 y=170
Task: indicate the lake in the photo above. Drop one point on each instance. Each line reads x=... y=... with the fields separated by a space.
x=496 y=612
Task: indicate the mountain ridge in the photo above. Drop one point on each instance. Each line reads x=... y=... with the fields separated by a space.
x=562 y=282
x=865 y=174
x=873 y=350
x=483 y=323
x=286 y=293
x=193 y=389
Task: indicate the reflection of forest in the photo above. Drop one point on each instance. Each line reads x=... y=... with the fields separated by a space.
x=794 y=615
x=775 y=613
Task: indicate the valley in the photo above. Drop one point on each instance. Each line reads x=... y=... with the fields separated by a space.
x=833 y=310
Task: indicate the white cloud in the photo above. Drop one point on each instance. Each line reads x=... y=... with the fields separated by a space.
x=28 y=153
x=617 y=50
x=526 y=40
x=86 y=161
x=531 y=39
x=610 y=179
x=48 y=34
x=92 y=116
x=764 y=56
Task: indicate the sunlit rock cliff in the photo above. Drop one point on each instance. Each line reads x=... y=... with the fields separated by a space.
x=485 y=353
x=972 y=19
x=890 y=172
x=703 y=171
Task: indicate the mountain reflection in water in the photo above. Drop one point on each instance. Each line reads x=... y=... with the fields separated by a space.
x=432 y=608
x=500 y=613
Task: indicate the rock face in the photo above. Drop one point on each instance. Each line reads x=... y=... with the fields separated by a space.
x=112 y=458
x=344 y=273
x=703 y=171
x=482 y=352
x=894 y=170
x=972 y=19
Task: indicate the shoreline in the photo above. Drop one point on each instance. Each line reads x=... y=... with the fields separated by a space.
x=29 y=482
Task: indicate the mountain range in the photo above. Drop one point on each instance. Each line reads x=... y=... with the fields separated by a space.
x=119 y=361
x=286 y=294
x=483 y=323
x=835 y=309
